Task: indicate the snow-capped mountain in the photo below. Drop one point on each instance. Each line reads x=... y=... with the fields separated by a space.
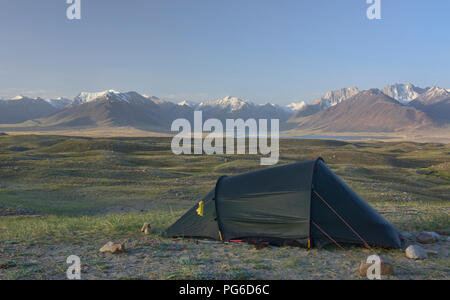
x=85 y=97
x=228 y=103
x=369 y=110
x=20 y=109
x=109 y=108
x=337 y=96
x=113 y=108
x=404 y=93
x=187 y=103
x=296 y=106
x=331 y=98
x=434 y=94
x=233 y=108
x=435 y=102
x=59 y=102
x=112 y=95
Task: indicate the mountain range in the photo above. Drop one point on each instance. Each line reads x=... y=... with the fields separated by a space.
x=396 y=107
x=367 y=111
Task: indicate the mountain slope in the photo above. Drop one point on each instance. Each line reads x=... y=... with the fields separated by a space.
x=331 y=98
x=109 y=109
x=21 y=109
x=367 y=111
x=435 y=103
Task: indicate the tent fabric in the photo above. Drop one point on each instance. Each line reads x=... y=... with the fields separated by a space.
x=192 y=225
x=372 y=227
x=279 y=203
x=267 y=203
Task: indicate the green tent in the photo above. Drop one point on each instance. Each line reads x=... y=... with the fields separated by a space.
x=302 y=204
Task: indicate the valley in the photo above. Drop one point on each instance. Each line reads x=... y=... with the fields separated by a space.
x=62 y=196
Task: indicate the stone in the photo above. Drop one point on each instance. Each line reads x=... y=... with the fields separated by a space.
x=431 y=252
x=146 y=228
x=112 y=248
x=435 y=235
x=386 y=268
x=426 y=238
x=443 y=232
x=415 y=252
x=407 y=235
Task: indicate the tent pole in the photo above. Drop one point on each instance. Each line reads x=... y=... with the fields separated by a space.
x=342 y=219
x=333 y=240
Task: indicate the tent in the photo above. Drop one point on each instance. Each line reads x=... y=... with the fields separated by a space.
x=302 y=204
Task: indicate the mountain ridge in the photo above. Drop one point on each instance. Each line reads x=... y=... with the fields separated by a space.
x=370 y=111
x=416 y=108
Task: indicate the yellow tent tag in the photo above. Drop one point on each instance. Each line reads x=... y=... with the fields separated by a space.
x=200 y=208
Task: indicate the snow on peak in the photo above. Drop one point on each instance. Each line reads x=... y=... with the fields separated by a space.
x=434 y=94
x=334 y=97
x=435 y=90
x=234 y=102
x=296 y=106
x=403 y=93
x=231 y=103
x=85 y=97
x=20 y=97
x=187 y=103
x=58 y=102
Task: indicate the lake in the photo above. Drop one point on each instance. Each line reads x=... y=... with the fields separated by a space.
x=342 y=137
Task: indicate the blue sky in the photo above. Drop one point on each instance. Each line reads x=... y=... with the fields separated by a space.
x=263 y=50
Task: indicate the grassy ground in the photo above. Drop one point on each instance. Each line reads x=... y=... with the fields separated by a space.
x=69 y=196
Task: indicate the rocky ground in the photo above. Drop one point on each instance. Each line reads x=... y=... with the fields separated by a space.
x=151 y=257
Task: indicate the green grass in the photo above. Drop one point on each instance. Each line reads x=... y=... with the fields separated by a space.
x=63 y=178
x=53 y=228
x=89 y=191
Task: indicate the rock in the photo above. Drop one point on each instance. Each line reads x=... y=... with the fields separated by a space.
x=435 y=235
x=415 y=252
x=386 y=268
x=146 y=228
x=443 y=232
x=426 y=238
x=112 y=248
x=431 y=252
x=407 y=235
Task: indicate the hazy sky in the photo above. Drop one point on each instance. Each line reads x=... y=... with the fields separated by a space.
x=263 y=50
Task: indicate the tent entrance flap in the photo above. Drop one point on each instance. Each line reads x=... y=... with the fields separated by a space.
x=198 y=222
